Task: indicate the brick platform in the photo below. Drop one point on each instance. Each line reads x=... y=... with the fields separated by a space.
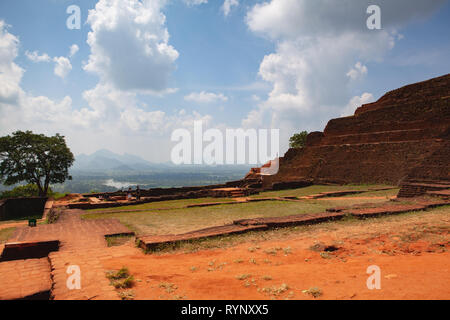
x=25 y=279
x=238 y=226
x=82 y=243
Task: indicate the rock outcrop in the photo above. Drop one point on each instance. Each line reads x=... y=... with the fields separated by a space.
x=401 y=138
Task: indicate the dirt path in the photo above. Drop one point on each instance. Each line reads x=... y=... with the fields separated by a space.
x=82 y=244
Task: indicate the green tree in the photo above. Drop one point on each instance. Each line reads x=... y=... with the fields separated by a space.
x=298 y=140
x=34 y=158
x=29 y=190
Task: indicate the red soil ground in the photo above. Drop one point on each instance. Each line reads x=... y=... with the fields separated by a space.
x=412 y=253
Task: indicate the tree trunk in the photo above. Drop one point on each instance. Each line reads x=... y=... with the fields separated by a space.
x=42 y=192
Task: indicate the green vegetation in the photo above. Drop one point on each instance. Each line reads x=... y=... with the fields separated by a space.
x=5 y=234
x=315 y=189
x=29 y=190
x=35 y=159
x=120 y=279
x=287 y=233
x=243 y=276
x=298 y=140
x=275 y=291
x=118 y=240
x=169 y=287
x=314 y=291
x=171 y=204
x=53 y=215
x=180 y=220
x=184 y=220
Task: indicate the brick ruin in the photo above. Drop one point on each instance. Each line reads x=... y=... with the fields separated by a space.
x=402 y=139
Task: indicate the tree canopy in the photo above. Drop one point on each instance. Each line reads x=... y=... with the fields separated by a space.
x=34 y=158
x=298 y=140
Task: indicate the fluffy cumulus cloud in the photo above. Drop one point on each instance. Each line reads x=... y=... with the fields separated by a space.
x=321 y=50
x=62 y=64
x=10 y=73
x=357 y=71
x=356 y=102
x=112 y=118
x=36 y=57
x=206 y=97
x=19 y=109
x=73 y=50
x=227 y=5
x=130 y=45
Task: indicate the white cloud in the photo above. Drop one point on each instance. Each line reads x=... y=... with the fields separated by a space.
x=320 y=48
x=130 y=45
x=227 y=5
x=73 y=50
x=10 y=73
x=36 y=57
x=356 y=102
x=195 y=2
x=62 y=66
x=112 y=118
x=206 y=97
x=290 y=19
x=357 y=72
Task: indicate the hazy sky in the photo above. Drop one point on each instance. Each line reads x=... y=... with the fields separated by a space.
x=137 y=70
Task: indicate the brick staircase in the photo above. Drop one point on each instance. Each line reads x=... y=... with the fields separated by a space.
x=238 y=193
x=412 y=189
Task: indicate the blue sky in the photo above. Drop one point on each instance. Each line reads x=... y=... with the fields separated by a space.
x=289 y=65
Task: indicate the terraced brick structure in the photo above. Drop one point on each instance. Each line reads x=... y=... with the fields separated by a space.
x=403 y=139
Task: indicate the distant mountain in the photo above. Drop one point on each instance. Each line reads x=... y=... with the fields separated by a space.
x=107 y=162
x=104 y=160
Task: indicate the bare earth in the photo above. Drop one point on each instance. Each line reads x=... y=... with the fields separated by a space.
x=411 y=251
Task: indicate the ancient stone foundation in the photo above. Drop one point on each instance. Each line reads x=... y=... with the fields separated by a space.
x=403 y=138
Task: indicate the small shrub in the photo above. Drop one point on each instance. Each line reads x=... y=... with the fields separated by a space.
x=243 y=276
x=314 y=291
x=126 y=295
x=169 y=287
x=121 y=279
x=54 y=214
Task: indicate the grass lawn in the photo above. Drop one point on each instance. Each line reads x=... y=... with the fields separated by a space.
x=417 y=224
x=171 y=204
x=180 y=220
x=5 y=234
x=23 y=219
x=317 y=189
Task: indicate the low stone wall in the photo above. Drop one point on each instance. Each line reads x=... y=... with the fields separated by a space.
x=291 y=184
x=157 y=192
x=17 y=208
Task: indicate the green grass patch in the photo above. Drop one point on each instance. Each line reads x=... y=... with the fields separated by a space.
x=258 y=237
x=184 y=220
x=315 y=189
x=180 y=220
x=113 y=241
x=5 y=234
x=120 y=279
x=170 y=204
